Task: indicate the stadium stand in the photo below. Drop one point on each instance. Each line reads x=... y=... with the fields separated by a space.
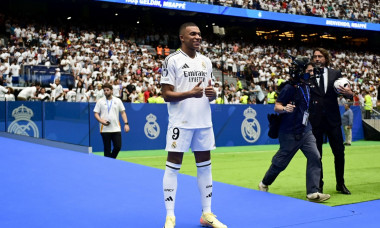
x=97 y=57
x=367 y=11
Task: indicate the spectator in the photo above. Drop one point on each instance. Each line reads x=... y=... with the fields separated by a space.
x=57 y=91
x=90 y=94
x=80 y=92
x=28 y=92
x=15 y=71
x=367 y=105
x=10 y=95
x=3 y=91
x=347 y=121
x=43 y=96
x=71 y=95
x=99 y=93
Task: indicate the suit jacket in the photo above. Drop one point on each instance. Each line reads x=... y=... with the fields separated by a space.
x=325 y=104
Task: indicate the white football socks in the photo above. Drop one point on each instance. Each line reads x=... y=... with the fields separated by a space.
x=205 y=184
x=170 y=186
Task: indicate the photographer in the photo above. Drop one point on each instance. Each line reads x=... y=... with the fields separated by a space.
x=106 y=112
x=295 y=131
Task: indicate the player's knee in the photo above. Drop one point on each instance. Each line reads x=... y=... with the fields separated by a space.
x=175 y=157
x=117 y=148
x=278 y=168
x=202 y=156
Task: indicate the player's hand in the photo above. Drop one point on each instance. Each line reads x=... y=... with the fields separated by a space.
x=197 y=91
x=289 y=108
x=126 y=127
x=209 y=91
x=346 y=91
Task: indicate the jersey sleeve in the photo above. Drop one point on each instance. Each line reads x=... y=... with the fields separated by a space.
x=286 y=94
x=120 y=105
x=168 y=71
x=97 y=107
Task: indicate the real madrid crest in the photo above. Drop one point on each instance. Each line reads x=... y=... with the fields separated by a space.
x=203 y=65
x=23 y=125
x=250 y=127
x=151 y=128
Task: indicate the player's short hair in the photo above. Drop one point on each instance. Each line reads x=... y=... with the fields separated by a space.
x=185 y=25
x=107 y=85
x=325 y=53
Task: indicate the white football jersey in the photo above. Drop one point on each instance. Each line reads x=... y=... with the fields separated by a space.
x=184 y=73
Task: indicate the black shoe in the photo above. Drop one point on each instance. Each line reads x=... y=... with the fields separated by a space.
x=343 y=189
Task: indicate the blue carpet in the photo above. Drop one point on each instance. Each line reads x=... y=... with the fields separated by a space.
x=366 y=215
x=48 y=187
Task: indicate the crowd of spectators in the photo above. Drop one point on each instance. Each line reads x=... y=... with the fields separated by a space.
x=356 y=10
x=134 y=70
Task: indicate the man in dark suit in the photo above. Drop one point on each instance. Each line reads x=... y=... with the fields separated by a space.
x=325 y=115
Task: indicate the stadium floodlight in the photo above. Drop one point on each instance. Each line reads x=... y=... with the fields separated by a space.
x=218 y=30
x=116 y=14
x=215 y=29
x=68 y=18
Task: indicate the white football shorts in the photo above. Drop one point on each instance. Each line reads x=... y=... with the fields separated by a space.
x=181 y=139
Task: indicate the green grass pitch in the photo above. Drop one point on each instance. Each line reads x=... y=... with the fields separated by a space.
x=245 y=166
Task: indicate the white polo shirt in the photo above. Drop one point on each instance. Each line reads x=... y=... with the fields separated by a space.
x=58 y=90
x=184 y=73
x=109 y=110
x=28 y=92
x=3 y=91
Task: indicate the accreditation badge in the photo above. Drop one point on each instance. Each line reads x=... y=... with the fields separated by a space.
x=305 y=118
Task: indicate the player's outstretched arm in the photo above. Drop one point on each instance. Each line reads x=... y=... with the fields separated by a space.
x=170 y=96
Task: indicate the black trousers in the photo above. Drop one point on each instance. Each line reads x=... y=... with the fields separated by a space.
x=115 y=138
x=335 y=137
x=367 y=114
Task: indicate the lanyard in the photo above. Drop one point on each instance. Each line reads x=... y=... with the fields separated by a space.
x=109 y=106
x=307 y=99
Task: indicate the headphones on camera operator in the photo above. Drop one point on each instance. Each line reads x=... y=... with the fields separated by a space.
x=299 y=76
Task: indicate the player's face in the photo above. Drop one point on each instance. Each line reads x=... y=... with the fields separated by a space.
x=319 y=59
x=191 y=37
x=107 y=92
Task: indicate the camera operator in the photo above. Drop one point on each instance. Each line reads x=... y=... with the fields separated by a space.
x=325 y=115
x=295 y=131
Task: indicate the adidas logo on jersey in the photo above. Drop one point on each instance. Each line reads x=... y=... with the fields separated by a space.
x=185 y=66
x=169 y=199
